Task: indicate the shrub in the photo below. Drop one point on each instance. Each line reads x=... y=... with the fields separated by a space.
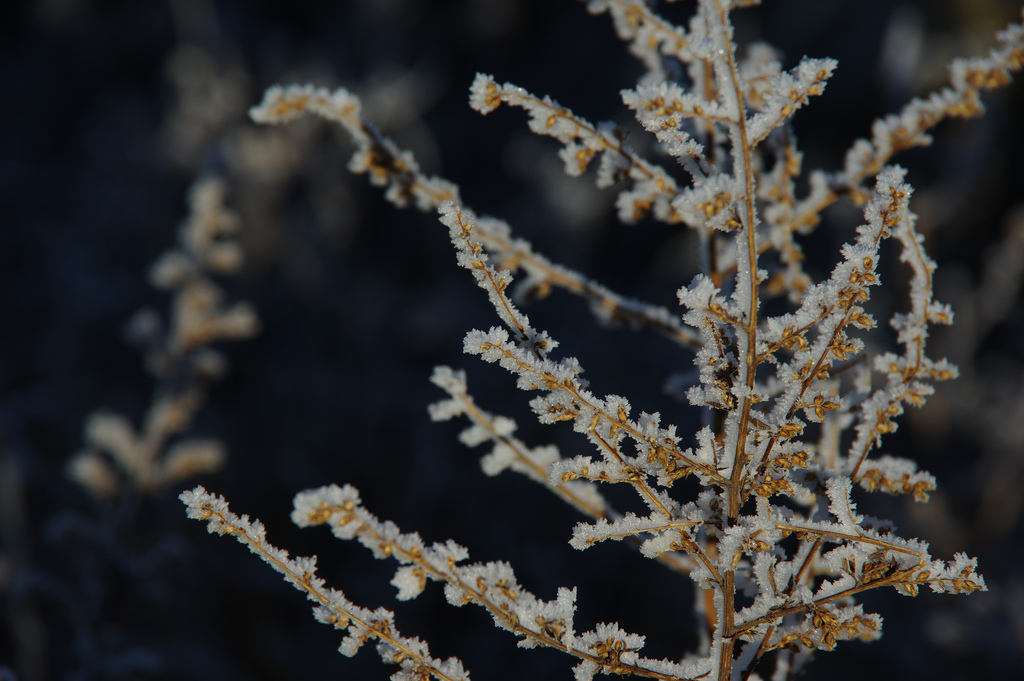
x=796 y=381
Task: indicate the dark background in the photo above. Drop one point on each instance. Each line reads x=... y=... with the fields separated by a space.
x=110 y=111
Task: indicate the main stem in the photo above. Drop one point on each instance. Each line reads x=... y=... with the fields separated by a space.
x=734 y=488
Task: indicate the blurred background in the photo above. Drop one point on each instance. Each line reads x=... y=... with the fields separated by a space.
x=113 y=108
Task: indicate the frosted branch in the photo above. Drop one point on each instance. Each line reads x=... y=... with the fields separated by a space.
x=397 y=169
x=332 y=607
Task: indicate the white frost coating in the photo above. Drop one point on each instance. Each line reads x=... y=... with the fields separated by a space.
x=332 y=607
x=770 y=590
x=508 y=451
x=612 y=169
x=586 y=468
x=758 y=65
x=284 y=104
x=700 y=294
x=586 y=535
x=721 y=50
x=841 y=507
x=470 y=255
x=707 y=452
x=714 y=203
x=309 y=505
x=605 y=636
x=649 y=188
x=650 y=37
x=375 y=155
x=499 y=458
x=661 y=109
x=547 y=117
x=483 y=96
x=552 y=619
x=656 y=105
x=409 y=581
x=895 y=475
x=786 y=93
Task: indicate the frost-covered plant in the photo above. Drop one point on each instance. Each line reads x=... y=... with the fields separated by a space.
x=179 y=355
x=796 y=404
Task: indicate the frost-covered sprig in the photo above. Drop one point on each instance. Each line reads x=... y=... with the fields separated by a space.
x=816 y=587
x=818 y=333
x=545 y=465
x=508 y=451
x=493 y=586
x=787 y=92
x=397 y=169
x=179 y=355
x=908 y=376
x=650 y=37
x=663 y=107
x=605 y=420
x=607 y=306
x=651 y=189
x=375 y=154
x=776 y=188
x=332 y=606
x=968 y=78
